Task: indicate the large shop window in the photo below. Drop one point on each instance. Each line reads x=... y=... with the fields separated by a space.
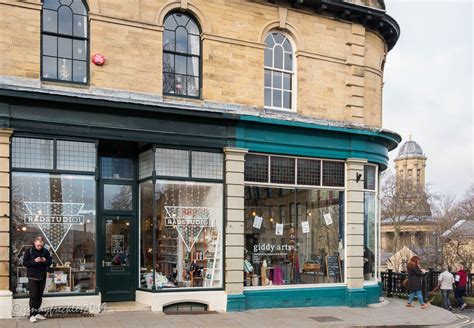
x=370 y=223
x=182 y=247
x=61 y=207
x=293 y=236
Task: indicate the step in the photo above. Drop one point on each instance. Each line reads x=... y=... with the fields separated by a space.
x=127 y=307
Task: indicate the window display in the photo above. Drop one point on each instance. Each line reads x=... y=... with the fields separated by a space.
x=60 y=208
x=370 y=246
x=293 y=236
x=188 y=235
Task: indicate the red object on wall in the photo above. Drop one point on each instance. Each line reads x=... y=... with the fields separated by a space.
x=98 y=59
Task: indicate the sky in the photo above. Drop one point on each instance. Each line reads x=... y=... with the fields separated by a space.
x=428 y=90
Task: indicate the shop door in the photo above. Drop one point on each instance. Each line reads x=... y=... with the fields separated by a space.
x=117 y=283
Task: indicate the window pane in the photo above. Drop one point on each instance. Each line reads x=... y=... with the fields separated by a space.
x=79 y=71
x=288 y=61
x=65 y=69
x=207 y=165
x=65 y=20
x=181 y=40
x=282 y=170
x=145 y=164
x=193 y=66
x=279 y=38
x=369 y=177
x=80 y=51
x=180 y=62
x=268 y=57
x=80 y=26
x=180 y=84
x=268 y=78
x=276 y=98
x=64 y=47
x=50 y=21
x=116 y=168
x=287 y=46
x=68 y=201
x=50 y=45
x=333 y=174
x=192 y=86
x=278 y=57
x=181 y=19
x=51 y=4
x=287 y=100
x=168 y=62
x=287 y=81
x=194 y=45
x=172 y=162
x=170 y=23
x=117 y=197
x=78 y=7
x=268 y=97
x=65 y=2
x=50 y=68
x=277 y=80
x=369 y=236
x=309 y=172
x=269 y=41
x=192 y=27
x=189 y=235
x=76 y=156
x=305 y=231
x=32 y=153
x=168 y=83
x=256 y=168
x=169 y=40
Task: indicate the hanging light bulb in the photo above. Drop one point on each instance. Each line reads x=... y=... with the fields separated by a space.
x=254 y=213
x=23 y=228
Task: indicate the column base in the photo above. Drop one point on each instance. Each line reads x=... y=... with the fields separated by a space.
x=6 y=304
x=356 y=297
x=236 y=303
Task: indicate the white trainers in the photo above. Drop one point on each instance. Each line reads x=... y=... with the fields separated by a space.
x=33 y=319
x=40 y=317
x=463 y=306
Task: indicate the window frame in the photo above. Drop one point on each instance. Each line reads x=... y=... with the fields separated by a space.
x=187 y=55
x=71 y=37
x=293 y=80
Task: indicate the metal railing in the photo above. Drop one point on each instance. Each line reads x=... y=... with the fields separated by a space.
x=392 y=283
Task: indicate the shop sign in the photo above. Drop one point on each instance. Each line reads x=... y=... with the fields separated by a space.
x=54 y=219
x=185 y=216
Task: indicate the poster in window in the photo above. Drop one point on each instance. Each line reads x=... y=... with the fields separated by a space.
x=257 y=222
x=117 y=244
x=327 y=218
x=305 y=226
x=279 y=229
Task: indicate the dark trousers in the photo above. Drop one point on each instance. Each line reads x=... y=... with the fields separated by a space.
x=36 y=288
x=458 y=294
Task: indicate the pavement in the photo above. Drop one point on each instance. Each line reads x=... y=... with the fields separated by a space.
x=392 y=313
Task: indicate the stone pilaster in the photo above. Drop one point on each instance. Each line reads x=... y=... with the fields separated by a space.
x=355 y=222
x=234 y=232
x=5 y=293
x=356 y=77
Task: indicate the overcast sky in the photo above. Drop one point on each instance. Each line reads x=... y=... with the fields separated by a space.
x=428 y=89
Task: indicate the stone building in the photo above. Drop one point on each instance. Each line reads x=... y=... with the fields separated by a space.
x=219 y=155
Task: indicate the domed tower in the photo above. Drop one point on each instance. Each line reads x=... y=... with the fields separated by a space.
x=410 y=164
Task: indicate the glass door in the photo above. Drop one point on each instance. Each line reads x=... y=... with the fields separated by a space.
x=117 y=259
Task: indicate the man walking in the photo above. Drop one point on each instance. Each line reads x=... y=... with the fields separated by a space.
x=445 y=283
x=37 y=260
x=461 y=283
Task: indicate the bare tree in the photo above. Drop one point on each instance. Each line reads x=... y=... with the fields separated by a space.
x=402 y=203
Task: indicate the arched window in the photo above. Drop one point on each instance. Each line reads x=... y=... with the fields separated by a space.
x=181 y=56
x=64 y=41
x=279 y=72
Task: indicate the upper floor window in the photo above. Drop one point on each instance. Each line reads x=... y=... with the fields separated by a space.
x=64 y=37
x=181 y=56
x=279 y=72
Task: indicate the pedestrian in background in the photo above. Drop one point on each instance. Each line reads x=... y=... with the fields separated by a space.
x=37 y=260
x=461 y=283
x=415 y=272
x=445 y=283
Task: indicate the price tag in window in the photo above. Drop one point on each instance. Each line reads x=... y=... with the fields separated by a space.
x=279 y=229
x=257 y=222
x=305 y=226
x=327 y=218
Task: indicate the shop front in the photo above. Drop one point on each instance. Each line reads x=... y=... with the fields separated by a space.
x=193 y=211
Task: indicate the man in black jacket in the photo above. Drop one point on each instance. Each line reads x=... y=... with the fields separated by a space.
x=37 y=260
